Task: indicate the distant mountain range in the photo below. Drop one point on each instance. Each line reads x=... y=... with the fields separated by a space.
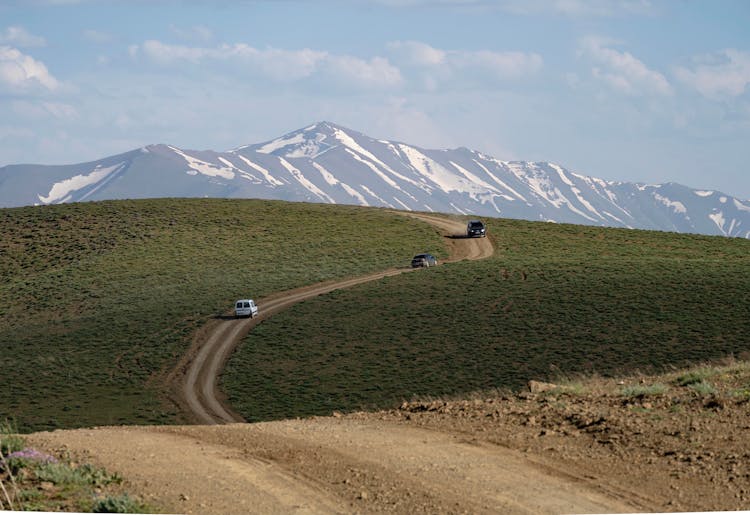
x=329 y=163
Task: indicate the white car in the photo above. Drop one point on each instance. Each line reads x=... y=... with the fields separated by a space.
x=245 y=308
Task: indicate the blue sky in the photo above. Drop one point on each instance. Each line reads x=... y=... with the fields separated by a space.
x=633 y=90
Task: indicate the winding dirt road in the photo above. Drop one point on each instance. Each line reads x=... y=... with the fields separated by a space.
x=195 y=378
x=359 y=463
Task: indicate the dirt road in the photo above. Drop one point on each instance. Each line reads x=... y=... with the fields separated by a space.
x=331 y=465
x=341 y=464
x=195 y=378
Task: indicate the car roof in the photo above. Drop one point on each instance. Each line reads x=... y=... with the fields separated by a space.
x=423 y=255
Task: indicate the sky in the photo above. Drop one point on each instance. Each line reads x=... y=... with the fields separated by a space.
x=633 y=90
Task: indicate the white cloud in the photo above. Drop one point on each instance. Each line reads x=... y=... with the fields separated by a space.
x=724 y=73
x=375 y=72
x=622 y=71
x=21 y=72
x=436 y=66
x=20 y=37
x=277 y=64
x=417 y=53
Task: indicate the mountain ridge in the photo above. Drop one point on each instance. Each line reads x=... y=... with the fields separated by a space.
x=326 y=162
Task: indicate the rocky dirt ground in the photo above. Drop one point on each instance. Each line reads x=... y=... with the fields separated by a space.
x=680 y=441
x=676 y=442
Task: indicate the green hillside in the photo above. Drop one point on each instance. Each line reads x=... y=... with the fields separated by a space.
x=99 y=300
x=554 y=300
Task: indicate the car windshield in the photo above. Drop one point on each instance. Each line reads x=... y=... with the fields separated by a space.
x=476 y=225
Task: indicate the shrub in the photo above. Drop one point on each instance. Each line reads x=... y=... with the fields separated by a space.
x=10 y=442
x=703 y=388
x=644 y=390
x=694 y=376
x=25 y=458
x=118 y=504
x=63 y=474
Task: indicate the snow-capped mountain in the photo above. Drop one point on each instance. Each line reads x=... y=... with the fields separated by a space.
x=329 y=163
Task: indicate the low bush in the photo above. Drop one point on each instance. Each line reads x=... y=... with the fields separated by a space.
x=36 y=481
x=694 y=376
x=118 y=504
x=641 y=390
x=703 y=388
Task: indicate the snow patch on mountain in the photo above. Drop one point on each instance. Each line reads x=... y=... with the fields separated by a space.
x=354 y=193
x=266 y=174
x=402 y=204
x=327 y=176
x=304 y=181
x=541 y=184
x=500 y=183
x=204 y=167
x=355 y=148
x=373 y=195
x=434 y=172
x=718 y=219
x=375 y=169
x=281 y=143
x=473 y=178
x=677 y=206
x=574 y=189
x=60 y=190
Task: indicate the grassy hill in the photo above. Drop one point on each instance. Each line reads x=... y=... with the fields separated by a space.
x=554 y=300
x=99 y=300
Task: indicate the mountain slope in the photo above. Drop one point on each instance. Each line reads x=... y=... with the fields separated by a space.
x=328 y=163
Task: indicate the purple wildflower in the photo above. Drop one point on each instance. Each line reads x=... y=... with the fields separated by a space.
x=31 y=455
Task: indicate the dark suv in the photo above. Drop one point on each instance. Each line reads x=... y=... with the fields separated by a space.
x=423 y=260
x=476 y=229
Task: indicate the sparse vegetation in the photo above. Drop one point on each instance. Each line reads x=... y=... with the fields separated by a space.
x=642 y=390
x=703 y=388
x=10 y=442
x=99 y=300
x=31 y=480
x=695 y=376
x=554 y=300
x=117 y=504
